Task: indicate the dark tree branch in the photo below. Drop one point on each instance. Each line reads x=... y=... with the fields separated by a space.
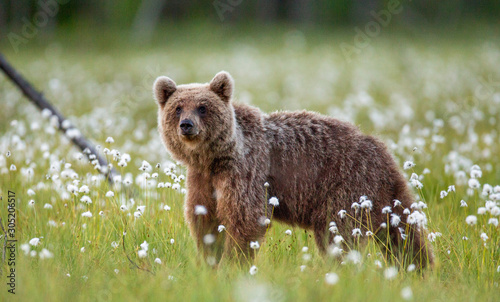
x=42 y=103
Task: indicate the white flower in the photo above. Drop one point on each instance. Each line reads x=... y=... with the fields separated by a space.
x=31 y=192
x=331 y=278
x=208 y=239
x=87 y=214
x=254 y=245
x=411 y=267
x=451 y=188
x=288 y=232
x=302 y=268
x=463 y=204
x=141 y=209
x=86 y=199
x=137 y=214
x=274 y=201
x=474 y=183
x=84 y=189
x=369 y=233
x=383 y=225
x=354 y=257
x=123 y=208
x=110 y=194
x=487 y=189
x=158 y=261
x=47 y=206
x=25 y=248
x=396 y=202
x=13 y=167
x=484 y=236
x=305 y=249
x=166 y=208
x=356 y=232
x=110 y=140
x=176 y=186
x=145 y=166
x=408 y=165
x=495 y=211
x=335 y=251
x=221 y=228
x=417 y=184
x=200 y=210
x=144 y=245
x=114 y=244
x=390 y=273
x=471 y=220
x=432 y=236
x=122 y=163
x=481 y=210
x=142 y=253
x=333 y=229
x=266 y=184
x=342 y=214
x=476 y=173
x=253 y=270
x=45 y=254
x=31 y=203
x=367 y=204
x=82 y=250
x=34 y=241
x=338 y=239
x=378 y=263
x=117 y=271
x=406 y=293
x=395 y=219
x=493 y=221
x=172 y=241
x=386 y=210
x=443 y=194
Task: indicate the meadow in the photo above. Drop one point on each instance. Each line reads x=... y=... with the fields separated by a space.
x=434 y=99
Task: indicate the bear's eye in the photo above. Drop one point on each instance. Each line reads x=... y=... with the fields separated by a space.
x=202 y=110
x=178 y=111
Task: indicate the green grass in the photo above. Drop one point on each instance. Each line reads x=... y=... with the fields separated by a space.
x=399 y=88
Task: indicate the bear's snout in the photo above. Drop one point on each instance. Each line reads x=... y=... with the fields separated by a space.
x=187 y=127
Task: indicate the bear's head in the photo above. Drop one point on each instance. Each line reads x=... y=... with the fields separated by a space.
x=193 y=117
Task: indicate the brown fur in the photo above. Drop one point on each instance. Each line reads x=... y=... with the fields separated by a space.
x=315 y=165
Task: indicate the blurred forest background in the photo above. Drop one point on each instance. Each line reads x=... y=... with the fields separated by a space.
x=144 y=16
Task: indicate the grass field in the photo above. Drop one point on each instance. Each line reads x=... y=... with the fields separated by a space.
x=434 y=100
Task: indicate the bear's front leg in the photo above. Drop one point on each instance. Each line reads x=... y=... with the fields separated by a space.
x=240 y=210
x=200 y=213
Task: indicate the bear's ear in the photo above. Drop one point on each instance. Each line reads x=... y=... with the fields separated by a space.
x=163 y=88
x=222 y=84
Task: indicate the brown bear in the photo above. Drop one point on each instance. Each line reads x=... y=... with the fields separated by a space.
x=327 y=176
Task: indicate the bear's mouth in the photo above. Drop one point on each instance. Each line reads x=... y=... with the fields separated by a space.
x=189 y=136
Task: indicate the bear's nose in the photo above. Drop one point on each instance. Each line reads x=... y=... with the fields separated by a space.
x=186 y=126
